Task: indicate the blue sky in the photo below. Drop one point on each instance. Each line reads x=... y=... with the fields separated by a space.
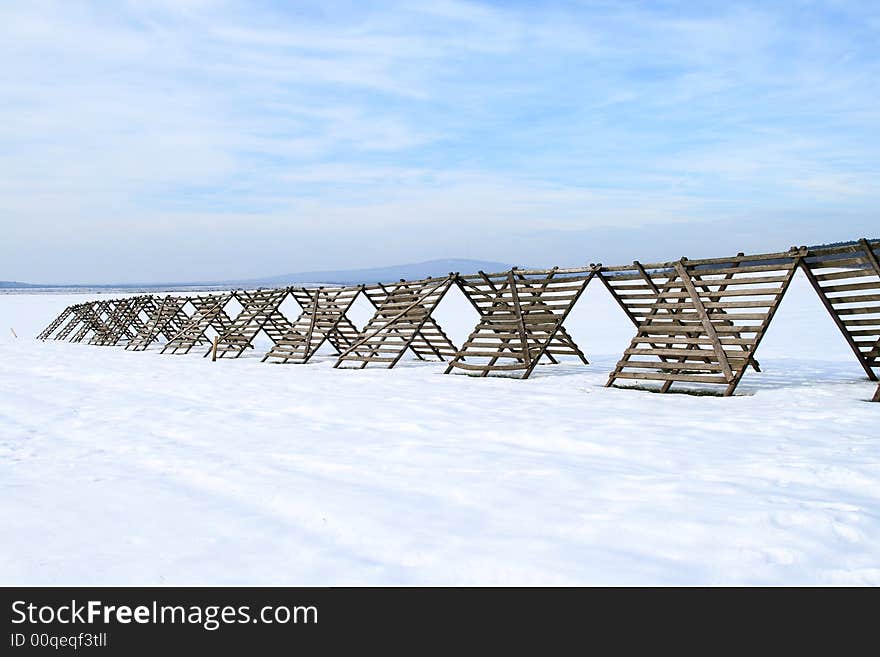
x=196 y=140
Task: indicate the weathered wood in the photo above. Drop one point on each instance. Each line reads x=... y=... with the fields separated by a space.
x=94 y=323
x=671 y=376
x=483 y=301
x=323 y=319
x=402 y=322
x=209 y=313
x=698 y=321
x=123 y=321
x=700 y=307
x=857 y=261
x=47 y=332
x=166 y=318
x=259 y=313
x=76 y=320
x=520 y=324
x=521 y=319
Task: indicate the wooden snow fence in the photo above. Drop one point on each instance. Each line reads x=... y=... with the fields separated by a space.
x=259 y=312
x=707 y=321
x=135 y=318
x=636 y=288
x=110 y=313
x=847 y=280
x=521 y=316
x=209 y=313
x=100 y=322
x=166 y=318
x=93 y=323
x=86 y=321
x=66 y=315
x=323 y=319
x=123 y=321
x=402 y=322
x=877 y=395
x=698 y=323
x=105 y=323
x=75 y=321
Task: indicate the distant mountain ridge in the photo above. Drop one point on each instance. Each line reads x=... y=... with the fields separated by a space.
x=389 y=274
x=16 y=284
x=413 y=271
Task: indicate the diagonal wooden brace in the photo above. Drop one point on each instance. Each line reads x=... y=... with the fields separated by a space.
x=705 y=320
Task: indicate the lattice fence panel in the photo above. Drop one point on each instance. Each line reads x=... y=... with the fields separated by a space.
x=521 y=316
x=708 y=320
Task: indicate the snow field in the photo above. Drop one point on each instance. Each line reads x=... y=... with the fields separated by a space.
x=134 y=468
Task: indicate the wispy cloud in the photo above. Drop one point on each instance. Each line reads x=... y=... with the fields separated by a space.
x=130 y=128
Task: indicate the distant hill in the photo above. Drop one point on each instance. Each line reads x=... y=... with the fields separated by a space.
x=336 y=277
x=384 y=274
x=15 y=284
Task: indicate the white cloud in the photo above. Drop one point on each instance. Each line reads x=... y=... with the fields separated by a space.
x=165 y=118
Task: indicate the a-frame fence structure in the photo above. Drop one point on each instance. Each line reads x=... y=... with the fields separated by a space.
x=521 y=316
x=209 y=313
x=323 y=319
x=167 y=318
x=402 y=322
x=123 y=321
x=259 y=312
x=847 y=280
x=93 y=325
x=707 y=321
x=110 y=313
x=67 y=314
x=76 y=319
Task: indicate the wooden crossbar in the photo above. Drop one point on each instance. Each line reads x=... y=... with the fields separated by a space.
x=634 y=288
x=521 y=318
x=847 y=280
x=707 y=321
x=402 y=322
x=260 y=312
x=323 y=319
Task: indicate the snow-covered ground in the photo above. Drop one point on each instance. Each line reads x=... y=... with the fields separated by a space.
x=138 y=468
